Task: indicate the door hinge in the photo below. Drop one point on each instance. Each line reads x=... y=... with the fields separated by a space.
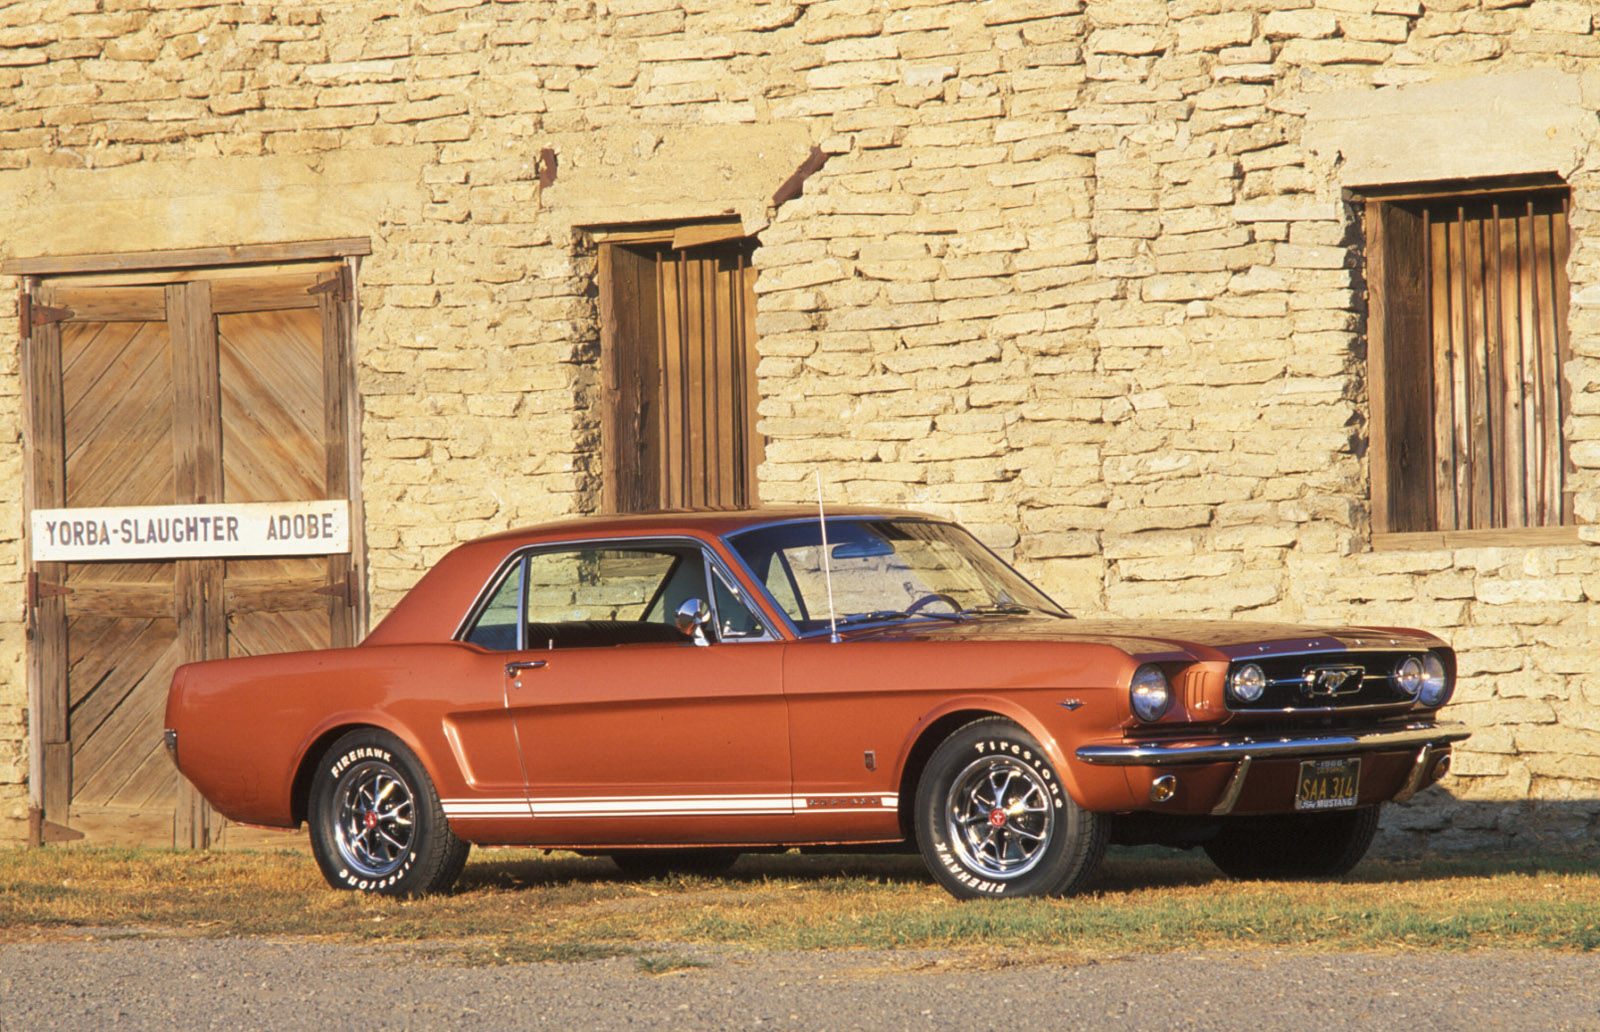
x=41 y=831
x=30 y=315
x=39 y=590
x=344 y=590
x=338 y=286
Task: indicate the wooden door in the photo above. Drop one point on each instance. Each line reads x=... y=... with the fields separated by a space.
x=199 y=390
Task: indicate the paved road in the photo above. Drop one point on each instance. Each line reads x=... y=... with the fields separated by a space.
x=187 y=984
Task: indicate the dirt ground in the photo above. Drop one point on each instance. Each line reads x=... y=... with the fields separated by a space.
x=107 y=980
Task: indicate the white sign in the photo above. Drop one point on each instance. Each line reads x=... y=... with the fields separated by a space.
x=135 y=532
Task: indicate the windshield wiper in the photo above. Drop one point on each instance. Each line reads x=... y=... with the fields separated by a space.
x=997 y=607
x=897 y=614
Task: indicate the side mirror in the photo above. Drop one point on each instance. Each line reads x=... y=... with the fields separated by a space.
x=691 y=619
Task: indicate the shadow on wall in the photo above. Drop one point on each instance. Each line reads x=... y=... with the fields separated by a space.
x=1437 y=822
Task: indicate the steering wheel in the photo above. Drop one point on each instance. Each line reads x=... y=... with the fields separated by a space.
x=933 y=596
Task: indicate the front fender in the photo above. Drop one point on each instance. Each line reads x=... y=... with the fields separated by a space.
x=918 y=743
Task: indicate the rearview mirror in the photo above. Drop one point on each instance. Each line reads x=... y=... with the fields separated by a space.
x=870 y=548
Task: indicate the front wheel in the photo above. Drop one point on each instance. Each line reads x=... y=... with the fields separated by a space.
x=993 y=819
x=376 y=822
x=1302 y=845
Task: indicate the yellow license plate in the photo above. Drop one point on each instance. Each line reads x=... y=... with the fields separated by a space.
x=1328 y=784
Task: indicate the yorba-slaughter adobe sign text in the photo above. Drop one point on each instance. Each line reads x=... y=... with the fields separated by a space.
x=190 y=531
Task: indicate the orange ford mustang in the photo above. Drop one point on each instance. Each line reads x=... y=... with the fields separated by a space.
x=676 y=689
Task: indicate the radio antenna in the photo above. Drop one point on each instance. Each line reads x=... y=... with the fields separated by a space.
x=827 y=567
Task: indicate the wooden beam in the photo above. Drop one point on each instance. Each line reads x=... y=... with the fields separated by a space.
x=1514 y=537
x=243 y=254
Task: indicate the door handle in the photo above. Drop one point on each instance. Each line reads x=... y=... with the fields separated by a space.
x=514 y=670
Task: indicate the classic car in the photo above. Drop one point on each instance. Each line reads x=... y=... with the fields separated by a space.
x=674 y=690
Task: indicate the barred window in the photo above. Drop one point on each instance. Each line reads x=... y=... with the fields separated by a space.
x=1467 y=335
x=679 y=357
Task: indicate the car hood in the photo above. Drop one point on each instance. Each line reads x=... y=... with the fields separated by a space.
x=1155 y=639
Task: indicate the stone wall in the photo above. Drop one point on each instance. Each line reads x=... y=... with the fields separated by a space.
x=1081 y=274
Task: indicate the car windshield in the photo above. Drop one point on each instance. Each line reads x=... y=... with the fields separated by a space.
x=883 y=570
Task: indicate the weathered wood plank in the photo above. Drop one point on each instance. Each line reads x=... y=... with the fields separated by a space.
x=121 y=825
x=257 y=594
x=122 y=304
x=196 y=257
x=57 y=780
x=755 y=443
x=333 y=311
x=286 y=291
x=1512 y=433
x=109 y=599
x=1511 y=537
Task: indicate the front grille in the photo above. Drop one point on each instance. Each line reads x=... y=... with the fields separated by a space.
x=1325 y=681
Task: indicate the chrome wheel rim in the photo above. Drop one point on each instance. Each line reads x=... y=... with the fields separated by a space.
x=998 y=817
x=376 y=822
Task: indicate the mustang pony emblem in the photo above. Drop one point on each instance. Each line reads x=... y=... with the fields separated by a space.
x=1333 y=680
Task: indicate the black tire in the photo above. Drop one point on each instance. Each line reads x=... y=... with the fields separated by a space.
x=376 y=823
x=993 y=819
x=1302 y=845
x=657 y=863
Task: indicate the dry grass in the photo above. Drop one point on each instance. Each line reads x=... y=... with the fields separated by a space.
x=517 y=906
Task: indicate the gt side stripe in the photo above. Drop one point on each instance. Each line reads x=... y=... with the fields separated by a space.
x=663 y=806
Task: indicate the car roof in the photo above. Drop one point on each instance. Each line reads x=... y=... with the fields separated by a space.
x=697 y=522
x=433 y=609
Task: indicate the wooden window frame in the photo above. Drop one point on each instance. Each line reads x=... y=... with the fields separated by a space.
x=1401 y=312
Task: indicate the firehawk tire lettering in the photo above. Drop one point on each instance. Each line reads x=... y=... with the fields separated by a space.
x=376 y=822
x=992 y=818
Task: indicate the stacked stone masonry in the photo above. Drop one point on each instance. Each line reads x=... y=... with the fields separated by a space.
x=1081 y=273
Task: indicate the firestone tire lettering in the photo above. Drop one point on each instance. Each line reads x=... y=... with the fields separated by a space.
x=1074 y=839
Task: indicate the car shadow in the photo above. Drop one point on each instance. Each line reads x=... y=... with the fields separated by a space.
x=1125 y=869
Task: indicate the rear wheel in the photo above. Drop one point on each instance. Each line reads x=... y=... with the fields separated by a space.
x=993 y=819
x=1302 y=845
x=376 y=822
x=655 y=863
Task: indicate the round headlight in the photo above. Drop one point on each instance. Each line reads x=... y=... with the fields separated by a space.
x=1435 y=689
x=1149 y=694
x=1247 y=683
x=1408 y=676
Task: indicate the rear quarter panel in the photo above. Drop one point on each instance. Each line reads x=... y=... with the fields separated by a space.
x=245 y=726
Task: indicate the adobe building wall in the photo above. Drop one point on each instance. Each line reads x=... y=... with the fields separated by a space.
x=1080 y=274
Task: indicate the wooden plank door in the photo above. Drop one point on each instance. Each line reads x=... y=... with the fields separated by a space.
x=282 y=362
x=106 y=637
x=680 y=357
x=196 y=391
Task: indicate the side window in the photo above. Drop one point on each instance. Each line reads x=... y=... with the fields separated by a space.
x=781 y=586
x=604 y=584
x=735 y=621
x=592 y=597
x=497 y=625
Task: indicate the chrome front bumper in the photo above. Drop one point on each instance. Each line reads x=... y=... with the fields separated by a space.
x=1285 y=747
x=1429 y=740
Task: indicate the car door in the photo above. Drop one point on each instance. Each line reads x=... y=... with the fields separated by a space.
x=630 y=732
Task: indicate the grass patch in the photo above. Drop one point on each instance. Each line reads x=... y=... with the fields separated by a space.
x=666 y=963
x=519 y=906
